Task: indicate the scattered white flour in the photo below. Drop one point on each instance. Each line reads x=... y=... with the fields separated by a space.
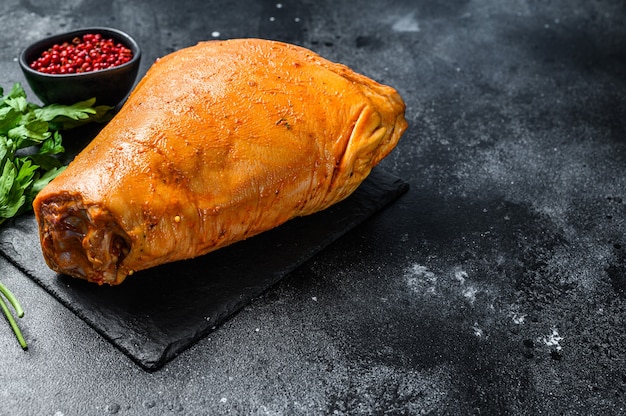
x=469 y=293
x=420 y=279
x=460 y=275
x=518 y=318
x=478 y=332
x=553 y=340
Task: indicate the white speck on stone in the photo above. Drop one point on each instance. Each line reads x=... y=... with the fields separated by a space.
x=314 y=298
x=420 y=279
x=257 y=329
x=272 y=18
x=215 y=34
x=460 y=275
x=279 y=5
x=223 y=400
x=518 y=319
x=553 y=340
x=470 y=294
x=478 y=332
x=296 y=19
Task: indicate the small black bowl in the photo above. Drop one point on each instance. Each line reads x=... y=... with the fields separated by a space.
x=109 y=86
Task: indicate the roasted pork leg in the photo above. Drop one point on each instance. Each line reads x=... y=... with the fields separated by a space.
x=218 y=142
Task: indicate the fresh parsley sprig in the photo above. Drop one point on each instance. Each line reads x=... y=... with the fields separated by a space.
x=30 y=142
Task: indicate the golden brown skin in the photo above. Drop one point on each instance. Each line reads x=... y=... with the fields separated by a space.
x=218 y=142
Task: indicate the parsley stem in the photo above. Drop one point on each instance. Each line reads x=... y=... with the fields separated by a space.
x=18 y=310
x=12 y=299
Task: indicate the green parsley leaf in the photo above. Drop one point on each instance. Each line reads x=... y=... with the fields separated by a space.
x=30 y=139
x=11 y=195
x=63 y=117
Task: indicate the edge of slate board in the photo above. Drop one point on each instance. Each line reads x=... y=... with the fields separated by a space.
x=157 y=313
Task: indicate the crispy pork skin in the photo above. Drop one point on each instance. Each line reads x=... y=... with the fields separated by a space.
x=217 y=143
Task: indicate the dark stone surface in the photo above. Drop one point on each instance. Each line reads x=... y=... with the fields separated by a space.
x=496 y=285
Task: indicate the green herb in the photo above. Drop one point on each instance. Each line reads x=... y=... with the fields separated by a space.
x=7 y=313
x=30 y=142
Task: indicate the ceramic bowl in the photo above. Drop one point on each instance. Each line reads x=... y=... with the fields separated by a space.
x=109 y=86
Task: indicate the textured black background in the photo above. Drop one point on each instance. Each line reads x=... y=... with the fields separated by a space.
x=496 y=285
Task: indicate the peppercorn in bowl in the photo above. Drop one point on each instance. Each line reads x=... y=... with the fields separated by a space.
x=96 y=62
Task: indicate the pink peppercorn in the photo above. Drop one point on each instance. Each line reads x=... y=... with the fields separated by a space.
x=92 y=52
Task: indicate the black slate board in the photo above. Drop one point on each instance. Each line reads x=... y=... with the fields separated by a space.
x=157 y=313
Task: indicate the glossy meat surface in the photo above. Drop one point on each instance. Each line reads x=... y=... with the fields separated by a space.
x=217 y=143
